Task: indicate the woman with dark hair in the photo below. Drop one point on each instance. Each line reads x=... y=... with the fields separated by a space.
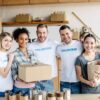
x=88 y=55
x=21 y=56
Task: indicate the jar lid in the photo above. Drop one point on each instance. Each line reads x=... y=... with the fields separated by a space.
x=51 y=95
x=59 y=94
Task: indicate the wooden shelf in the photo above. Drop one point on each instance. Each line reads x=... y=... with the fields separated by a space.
x=15 y=2
x=33 y=23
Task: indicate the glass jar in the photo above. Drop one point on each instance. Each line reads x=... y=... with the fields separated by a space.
x=51 y=96
x=59 y=96
x=67 y=94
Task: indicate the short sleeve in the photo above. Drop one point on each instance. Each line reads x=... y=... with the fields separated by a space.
x=78 y=61
x=57 y=51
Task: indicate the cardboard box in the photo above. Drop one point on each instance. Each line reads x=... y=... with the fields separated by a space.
x=93 y=69
x=76 y=35
x=58 y=16
x=23 y=18
x=35 y=72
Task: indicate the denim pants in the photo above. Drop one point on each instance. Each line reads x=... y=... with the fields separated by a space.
x=24 y=91
x=74 y=87
x=2 y=94
x=46 y=85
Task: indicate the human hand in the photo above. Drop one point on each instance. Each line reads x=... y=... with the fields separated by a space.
x=20 y=80
x=1 y=70
x=11 y=57
x=92 y=84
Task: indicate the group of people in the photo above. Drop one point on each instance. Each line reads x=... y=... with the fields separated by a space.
x=74 y=56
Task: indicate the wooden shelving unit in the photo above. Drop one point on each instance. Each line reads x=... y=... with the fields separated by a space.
x=72 y=1
x=0 y=2
x=33 y=23
x=15 y=2
x=43 y=1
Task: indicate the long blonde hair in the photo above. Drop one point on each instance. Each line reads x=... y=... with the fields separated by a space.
x=2 y=36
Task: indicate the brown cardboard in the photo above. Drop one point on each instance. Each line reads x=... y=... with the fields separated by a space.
x=36 y=72
x=93 y=69
x=76 y=35
x=23 y=18
x=58 y=16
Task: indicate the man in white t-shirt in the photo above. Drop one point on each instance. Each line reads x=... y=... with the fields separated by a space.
x=45 y=51
x=68 y=51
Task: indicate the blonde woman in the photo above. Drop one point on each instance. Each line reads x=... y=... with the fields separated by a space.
x=6 y=59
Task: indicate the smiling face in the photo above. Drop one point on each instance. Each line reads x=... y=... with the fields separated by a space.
x=6 y=43
x=23 y=40
x=66 y=35
x=89 y=44
x=42 y=33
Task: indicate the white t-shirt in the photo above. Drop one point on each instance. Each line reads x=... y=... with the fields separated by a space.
x=7 y=82
x=68 y=54
x=45 y=53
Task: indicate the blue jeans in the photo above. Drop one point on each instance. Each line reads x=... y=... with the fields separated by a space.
x=24 y=91
x=46 y=85
x=74 y=87
x=2 y=94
